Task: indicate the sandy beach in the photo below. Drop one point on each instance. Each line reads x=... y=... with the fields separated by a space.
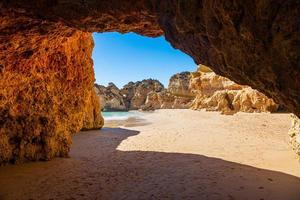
x=168 y=154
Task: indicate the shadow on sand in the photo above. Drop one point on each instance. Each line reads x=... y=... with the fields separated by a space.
x=97 y=170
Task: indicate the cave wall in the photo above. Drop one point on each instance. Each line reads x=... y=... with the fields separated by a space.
x=253 y=43
x=92 y=118
x=46 y=79
x=46 y=70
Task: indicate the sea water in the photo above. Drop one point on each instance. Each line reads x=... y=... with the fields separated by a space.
x=116 y=115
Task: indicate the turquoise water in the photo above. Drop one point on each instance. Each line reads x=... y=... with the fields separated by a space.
x=119 y=115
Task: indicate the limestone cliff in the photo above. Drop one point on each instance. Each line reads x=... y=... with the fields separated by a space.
x=217 y=93
x=110 y=97
x=147 y=94
x=166 y=100
x=135 y=94
x=177 y=96
x=202 y=89
x=179 y=84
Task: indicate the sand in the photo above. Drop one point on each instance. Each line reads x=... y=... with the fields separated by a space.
x=169 y=154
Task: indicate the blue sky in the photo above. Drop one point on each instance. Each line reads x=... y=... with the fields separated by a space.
x=120 y=58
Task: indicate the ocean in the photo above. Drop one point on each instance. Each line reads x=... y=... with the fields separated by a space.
x=119 y=115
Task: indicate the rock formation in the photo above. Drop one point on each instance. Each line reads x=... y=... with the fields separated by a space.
x=45 y=57
x=166 y=100
x=176 y=96
x=217 y=93
x=179 y=84
x=110 y=97
x=46 y=79
x=294 y=134
x=147 y=94
x=92 y=114
x=252 y=43
x=135 y=94
x=202 y=89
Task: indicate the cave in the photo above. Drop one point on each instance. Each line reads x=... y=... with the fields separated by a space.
x=47 y=79
x=46 y=47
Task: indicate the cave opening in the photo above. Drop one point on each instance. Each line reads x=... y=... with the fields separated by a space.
x=121 y=58
x=137 y=64
x=46 y=84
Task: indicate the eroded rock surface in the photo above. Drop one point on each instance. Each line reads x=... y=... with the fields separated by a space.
x=294 y=133
x=135 y=94
x=45 y=63
x=92 y=114
x=179 y=84
x=217 y=93
x=110 y=97
x=252 y=43
x=46 y=79
x=166 y=100
x=177 y=96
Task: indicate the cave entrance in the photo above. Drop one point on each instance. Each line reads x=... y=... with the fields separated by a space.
x=134 y=62
x=172 y=148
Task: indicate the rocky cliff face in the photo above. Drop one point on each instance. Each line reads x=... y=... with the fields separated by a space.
x=44 y=93
x=166 y=100
x=92 y=118
x=202 y=89
x=147 y=94
x=217 y=93
x=110 y=97
x=179 y=84
x=135 y=94
x=176 y=96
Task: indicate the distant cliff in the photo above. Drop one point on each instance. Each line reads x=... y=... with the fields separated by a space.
x=135 y=94
x=202 y=89
x=110 y=97
x=147 y=94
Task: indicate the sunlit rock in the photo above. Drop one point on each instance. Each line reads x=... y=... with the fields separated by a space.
x=294 y=133
x=135 y=94
x=179 y=84
x=46 y=70
x=217 y=93
x=45 y=87
x=111 y=98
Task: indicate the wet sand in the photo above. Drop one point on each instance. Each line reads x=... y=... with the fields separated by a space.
x=170 y=154
x=130 y=122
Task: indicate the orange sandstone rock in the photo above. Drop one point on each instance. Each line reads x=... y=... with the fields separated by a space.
x=46 y=81
x=45 y=64
x=252 y=43
x=92 y=113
